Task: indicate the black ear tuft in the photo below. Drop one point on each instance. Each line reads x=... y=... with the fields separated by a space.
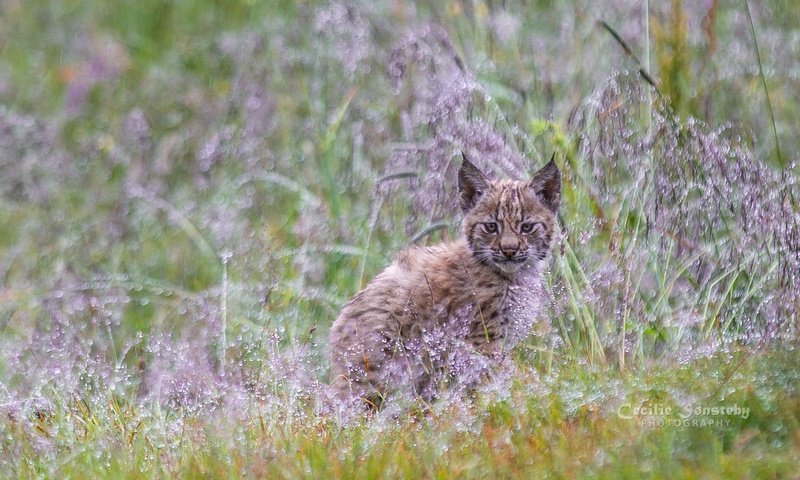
x=547 y=185
x=471 y=184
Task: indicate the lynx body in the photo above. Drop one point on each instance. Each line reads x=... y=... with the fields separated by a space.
x=450 y=312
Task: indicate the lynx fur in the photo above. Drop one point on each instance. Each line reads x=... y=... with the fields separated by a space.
x=450 y=313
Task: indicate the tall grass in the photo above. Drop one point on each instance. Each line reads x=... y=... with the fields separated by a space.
x=190 y=194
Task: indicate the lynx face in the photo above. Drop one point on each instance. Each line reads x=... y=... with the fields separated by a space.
x=507 y=223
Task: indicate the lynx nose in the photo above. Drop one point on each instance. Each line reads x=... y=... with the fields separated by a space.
x=509 y=249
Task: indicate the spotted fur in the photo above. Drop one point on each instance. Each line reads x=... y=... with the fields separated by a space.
x=475 y=296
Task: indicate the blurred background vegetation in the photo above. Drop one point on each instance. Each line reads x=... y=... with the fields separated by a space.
x=220 y=177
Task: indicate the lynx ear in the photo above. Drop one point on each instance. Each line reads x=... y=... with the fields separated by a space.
x=471 y=184
x=547 y=185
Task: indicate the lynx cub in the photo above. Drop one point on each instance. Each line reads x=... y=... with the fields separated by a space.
x=442 y=313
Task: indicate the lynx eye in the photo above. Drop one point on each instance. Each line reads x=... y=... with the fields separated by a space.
x=527 y=227
x=490 y=227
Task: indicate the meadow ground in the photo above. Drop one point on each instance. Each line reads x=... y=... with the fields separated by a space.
x=189 y=192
